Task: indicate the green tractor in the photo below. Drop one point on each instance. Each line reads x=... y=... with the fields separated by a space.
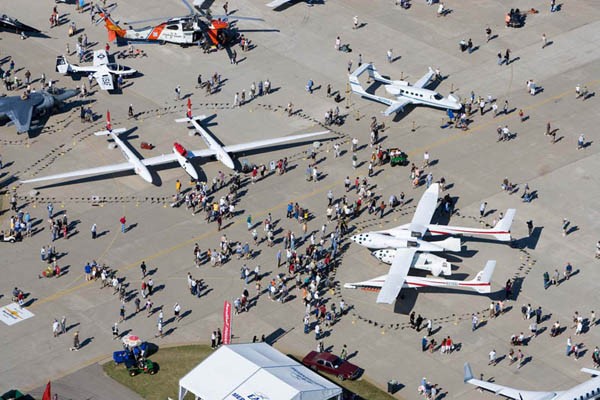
x=397 y=157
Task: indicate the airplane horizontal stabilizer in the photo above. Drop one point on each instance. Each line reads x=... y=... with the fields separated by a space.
x=114 y=131
x=449 y=244
x=195 y=118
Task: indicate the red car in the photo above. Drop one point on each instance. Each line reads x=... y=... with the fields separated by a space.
x=331 y=364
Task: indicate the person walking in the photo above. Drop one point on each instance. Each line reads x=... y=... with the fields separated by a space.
x=143 y=268
x=75 y=342
x=389 y=55
x=474 y=322
x=344 y=353
x=94 y=231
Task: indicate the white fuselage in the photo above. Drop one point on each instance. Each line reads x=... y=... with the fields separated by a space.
x=212 y=144
x=423 y=261
x=415 y=282
x=402 y=90
x=186 y=164
x=140 y=168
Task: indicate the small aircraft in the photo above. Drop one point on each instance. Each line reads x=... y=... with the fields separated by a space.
x=404 y=92
x=186 y=30
x=21 y=109
x=481 y=282
x=102 y=70
x=403 y=243
x=14 y=25
x=179 y=153
x=589 y=389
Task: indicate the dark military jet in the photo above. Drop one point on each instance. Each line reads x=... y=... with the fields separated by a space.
x=20 y=109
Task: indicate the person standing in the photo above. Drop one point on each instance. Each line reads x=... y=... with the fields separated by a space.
x=565 y=226
x=226 y=8
x=150 y=285
x=389 y=55
x=63 y=324
x=474 y=322
x=178 y=92
x=123 y=222
x=355 y=22
x=56 y=328
x=177 y=311
x=94 y=231
x=488 y=34
x=115 y=331
x=143 y=268
x=482 y=209
x=344 y=353
x=544 y=41
x=492 y=356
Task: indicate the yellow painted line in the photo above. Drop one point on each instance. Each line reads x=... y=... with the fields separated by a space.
x=444 y=140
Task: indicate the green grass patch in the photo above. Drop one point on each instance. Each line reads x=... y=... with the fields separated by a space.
x=175 y=362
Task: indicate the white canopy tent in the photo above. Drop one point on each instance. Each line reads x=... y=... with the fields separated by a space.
x=254 y=371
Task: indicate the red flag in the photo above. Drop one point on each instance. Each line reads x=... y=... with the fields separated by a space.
x=189 y=108
x=47 y=395
x=227 y=323
x=108 y=124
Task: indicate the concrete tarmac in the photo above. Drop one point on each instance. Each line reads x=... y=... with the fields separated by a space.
x=293 y=46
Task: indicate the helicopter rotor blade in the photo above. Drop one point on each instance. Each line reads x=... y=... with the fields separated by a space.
x=189 y=7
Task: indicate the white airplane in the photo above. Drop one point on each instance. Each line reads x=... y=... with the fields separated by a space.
x=481 y=282
x=589 y=389
x=403 y=243
x=404 y=92
x=179 y=154
x=102 y=70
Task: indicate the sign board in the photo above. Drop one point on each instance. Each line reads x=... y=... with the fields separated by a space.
x=13 y=313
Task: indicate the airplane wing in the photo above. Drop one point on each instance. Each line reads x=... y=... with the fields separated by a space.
x=425 y=79
x=506 y=391
x=104 y=79
x=106 y=169
x=425 y=210
x=20 y=112
x=171 y=157
x=277 y=3
x=397 y=275
x=236 y=148
x=100 y=58
x=395 y=106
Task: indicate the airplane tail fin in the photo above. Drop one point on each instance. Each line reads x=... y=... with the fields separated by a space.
x=484 y=277
x=62 y=65
x=468 y=373
x=503 y=226
x=114 y=30
x=450 y=244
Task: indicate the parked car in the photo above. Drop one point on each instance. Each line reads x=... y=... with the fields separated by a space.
x=332 y=364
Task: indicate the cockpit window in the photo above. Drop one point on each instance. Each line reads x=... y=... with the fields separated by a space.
x=438 y=96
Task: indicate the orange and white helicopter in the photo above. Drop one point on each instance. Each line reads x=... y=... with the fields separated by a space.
x=196 y=28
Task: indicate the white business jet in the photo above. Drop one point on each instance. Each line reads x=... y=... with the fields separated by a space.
x=179 y=153
x=102 y=70
x=481 y=282
x=589 y=389
x=404 y=92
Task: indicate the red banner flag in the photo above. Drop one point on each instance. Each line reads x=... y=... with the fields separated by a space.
x=227 y=323
x=47 y=395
